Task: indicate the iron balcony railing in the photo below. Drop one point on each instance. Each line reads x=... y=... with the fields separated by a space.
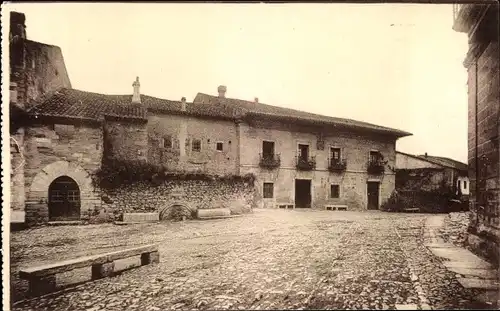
x=376 y=166
x=269 y=161
x=306 y=163
x=337 y=165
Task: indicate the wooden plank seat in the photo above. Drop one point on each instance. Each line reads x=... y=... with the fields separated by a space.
x=285 y=205
x=42 y=279
x=412 y=210
x=336 y=207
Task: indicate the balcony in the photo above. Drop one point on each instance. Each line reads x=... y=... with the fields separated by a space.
x=306 y=164
x=376 y=167
x=269 y=161
x=337 y=165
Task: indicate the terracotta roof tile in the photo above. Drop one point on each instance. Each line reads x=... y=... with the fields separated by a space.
x=260 y=109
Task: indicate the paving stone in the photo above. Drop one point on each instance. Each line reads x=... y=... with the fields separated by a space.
x=479 y=283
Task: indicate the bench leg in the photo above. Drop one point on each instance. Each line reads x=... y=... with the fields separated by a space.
x=100 y=271
x=149 y=258
x=42 y=285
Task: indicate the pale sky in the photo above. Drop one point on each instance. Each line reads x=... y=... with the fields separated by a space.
x=397 y=65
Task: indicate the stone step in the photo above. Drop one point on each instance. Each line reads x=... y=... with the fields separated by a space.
x=478 y=283
x=489 y=274
x=218 y=217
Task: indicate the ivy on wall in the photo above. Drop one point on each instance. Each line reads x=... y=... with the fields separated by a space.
x=114 y=173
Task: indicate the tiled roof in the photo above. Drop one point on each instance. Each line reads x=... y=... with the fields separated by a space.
x=76 y=104
x=441 y=161
x=259 y=109
x=446 y=162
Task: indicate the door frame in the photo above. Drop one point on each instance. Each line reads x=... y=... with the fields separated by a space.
x=295 y=189
x=368 y=195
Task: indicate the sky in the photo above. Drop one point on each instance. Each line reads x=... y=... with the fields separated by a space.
x=396 y=65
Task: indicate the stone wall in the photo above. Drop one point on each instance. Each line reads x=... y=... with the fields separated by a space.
x=51 y=151
x=237 y=196
x=482 y=64
x=182 y=130
x=125 y=140
x=353 y=182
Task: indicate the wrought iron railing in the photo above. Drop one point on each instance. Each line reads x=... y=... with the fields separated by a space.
x=337 y=165
x=376 y=166
x=270 y=161
x=306 y=163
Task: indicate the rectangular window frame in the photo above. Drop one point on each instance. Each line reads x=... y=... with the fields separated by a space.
x=338 y=191
x=194 y=142
x=265 y=191
x=164 y=141
x=217 y=146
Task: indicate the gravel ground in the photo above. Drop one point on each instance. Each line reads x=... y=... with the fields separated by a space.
x=271 y=259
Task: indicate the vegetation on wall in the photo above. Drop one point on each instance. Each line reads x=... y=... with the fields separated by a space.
x=114 y=173
x=441 y=200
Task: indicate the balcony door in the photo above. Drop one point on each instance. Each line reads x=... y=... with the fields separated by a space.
x=267 y=149
x=335 y=153
x=303 y=152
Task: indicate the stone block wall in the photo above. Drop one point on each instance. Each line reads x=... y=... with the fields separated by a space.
x=353 y=182
x=51 y=151
x=196 y=194
x=482 y=64
x=125 y=140
x=182 y=130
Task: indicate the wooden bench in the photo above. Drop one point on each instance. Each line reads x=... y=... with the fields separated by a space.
x=336 y=207
x=285 y=205
x=42 y=279
x=411 y=210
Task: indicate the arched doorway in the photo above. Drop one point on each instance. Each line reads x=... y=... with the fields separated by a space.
x=64 y=199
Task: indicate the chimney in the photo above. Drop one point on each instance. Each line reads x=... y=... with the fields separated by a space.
x=183 y=104
x=222 y=91
x=256 y=100
x=136 y=97
x=17 y=25
x=426 y=154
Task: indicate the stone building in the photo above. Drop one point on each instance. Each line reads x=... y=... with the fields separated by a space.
x=298 y=159
x=480 y=23
x=425 y=172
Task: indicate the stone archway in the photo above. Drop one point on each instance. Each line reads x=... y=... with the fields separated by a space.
x=37 y=209
x=175 y=211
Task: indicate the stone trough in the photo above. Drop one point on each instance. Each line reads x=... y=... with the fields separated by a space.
x=215 y=213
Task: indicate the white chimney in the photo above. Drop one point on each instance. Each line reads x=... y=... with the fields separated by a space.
x=222 y=91
x=256 y=100
x=136 y=97
x=183 y=104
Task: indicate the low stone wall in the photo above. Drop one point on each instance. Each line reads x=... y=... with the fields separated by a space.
x=196 y=194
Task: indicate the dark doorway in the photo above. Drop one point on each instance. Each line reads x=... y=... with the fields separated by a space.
x=302 y=193
x=64 y=199
x=373 y=194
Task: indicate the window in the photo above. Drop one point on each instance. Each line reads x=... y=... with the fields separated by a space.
x=268 y=190
x=335 y=153
x=166 y=142
x=303 y=151
x=219 y=146
x=334 y=191
x=267 y=148
x=375 y=156
x=465 y=184
x=196 y=145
